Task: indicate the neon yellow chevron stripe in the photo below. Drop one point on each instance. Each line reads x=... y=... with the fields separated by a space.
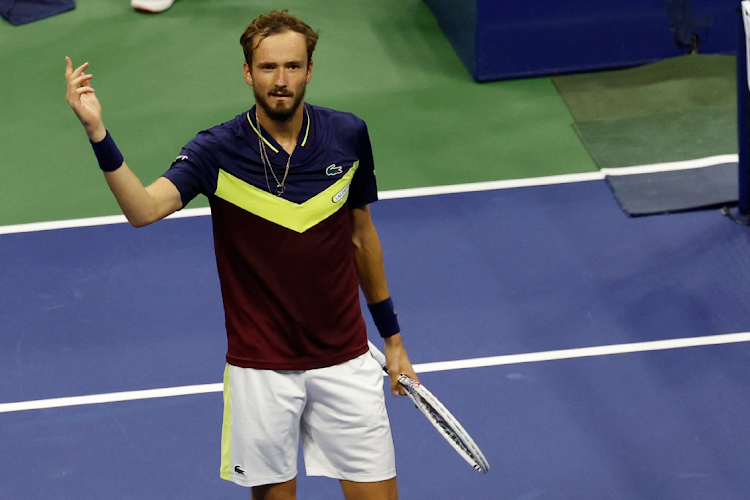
x=226 y=430
x=293 y=216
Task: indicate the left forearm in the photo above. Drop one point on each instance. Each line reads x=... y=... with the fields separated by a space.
x=368 y=258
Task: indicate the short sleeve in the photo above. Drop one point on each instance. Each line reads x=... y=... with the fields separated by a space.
x=193 y=171
x=364 y=188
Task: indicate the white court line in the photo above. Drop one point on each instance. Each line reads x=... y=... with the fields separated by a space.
x=490 y=185
x=91 y=221
x=512 y=359
x=112 y=397
x=584 y=352
x=672 y=166
x=414 y=192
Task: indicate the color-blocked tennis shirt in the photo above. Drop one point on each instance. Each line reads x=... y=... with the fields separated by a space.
x=285 y=263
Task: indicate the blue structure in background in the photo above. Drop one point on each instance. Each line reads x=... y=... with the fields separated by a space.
x=743 y=128
x=499 y=39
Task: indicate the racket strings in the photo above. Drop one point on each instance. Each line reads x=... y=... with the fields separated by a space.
x=439 y=420
x=444 y=422
x=439 y=417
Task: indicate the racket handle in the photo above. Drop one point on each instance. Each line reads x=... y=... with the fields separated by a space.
x=379 y=356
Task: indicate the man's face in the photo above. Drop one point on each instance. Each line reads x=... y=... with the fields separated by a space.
x=279 y=74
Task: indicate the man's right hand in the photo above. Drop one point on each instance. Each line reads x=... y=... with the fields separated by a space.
x=82 y=99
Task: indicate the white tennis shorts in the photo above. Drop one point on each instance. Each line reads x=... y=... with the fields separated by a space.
x=338 y=412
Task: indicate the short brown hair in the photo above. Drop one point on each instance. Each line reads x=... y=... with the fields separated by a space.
x=274 y=23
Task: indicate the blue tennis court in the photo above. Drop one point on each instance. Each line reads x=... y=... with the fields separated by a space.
x=107 y=309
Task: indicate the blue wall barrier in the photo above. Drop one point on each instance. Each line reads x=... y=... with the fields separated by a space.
x=501 y=39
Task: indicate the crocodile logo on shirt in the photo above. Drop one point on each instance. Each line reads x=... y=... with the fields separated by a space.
x=334 y=169
x=239 y=470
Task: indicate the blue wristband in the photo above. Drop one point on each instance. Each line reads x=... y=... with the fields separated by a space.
x=384 y=316
x=107 y=154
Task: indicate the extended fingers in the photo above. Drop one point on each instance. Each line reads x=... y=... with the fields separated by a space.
x=82 y=80
x=78 y=82
x=72 y=74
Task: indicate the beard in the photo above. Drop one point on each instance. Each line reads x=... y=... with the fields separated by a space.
x=280 y=112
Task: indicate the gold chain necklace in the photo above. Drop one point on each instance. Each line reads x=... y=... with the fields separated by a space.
x=280 y=188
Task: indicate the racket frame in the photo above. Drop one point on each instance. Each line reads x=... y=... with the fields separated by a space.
x=439 y=416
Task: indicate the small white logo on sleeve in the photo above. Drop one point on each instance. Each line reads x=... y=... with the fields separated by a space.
x=341 y=194
x=181 y=157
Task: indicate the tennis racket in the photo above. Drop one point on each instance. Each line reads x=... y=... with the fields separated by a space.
x=440 y=417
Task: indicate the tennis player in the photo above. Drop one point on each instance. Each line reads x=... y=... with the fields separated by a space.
x=289 y=185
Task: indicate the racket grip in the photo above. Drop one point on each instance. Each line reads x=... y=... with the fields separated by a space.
x=379 y=356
